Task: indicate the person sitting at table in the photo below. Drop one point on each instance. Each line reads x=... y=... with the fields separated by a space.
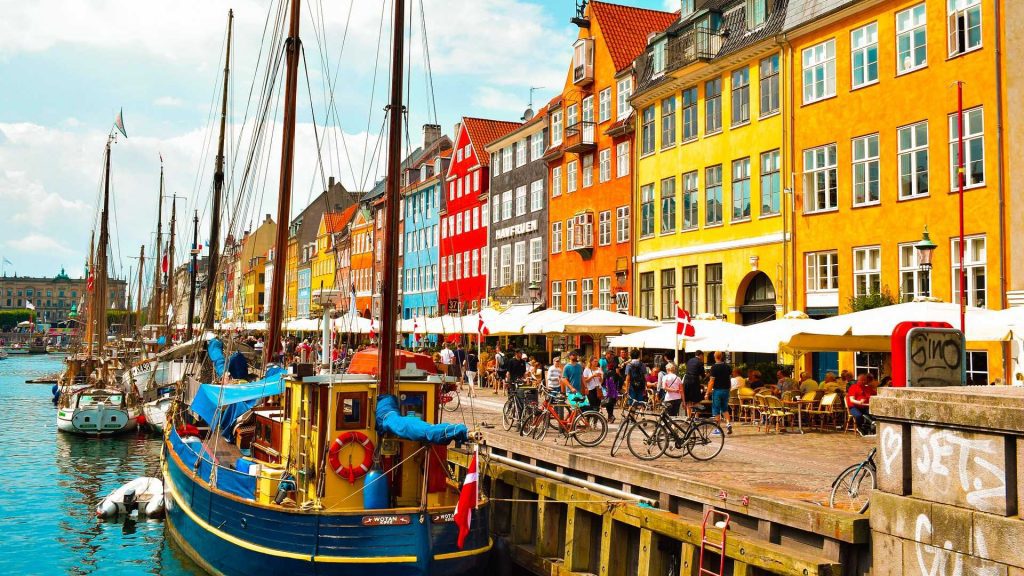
x=784 y=382
x=738 y=381
x=858 y=400
x=807 y=384
x=830 y=384
x=754 y=381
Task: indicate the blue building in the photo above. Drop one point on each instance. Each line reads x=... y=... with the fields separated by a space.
x=423 y=181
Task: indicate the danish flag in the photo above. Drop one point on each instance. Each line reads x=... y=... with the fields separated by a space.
x=468 y=499
x=683 y=325
x=415 y=330
x=481 y=328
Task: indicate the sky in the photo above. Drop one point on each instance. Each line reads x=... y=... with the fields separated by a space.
x=67 y=67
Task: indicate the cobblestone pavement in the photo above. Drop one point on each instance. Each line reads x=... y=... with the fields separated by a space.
x=787 y=465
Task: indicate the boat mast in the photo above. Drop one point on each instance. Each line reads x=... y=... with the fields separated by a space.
x=388 y=314
x=156 y=306
x=292 y=47
x=218 y=187
x=170 y=262
x=138 y=301
x=90 y=302
x=193 y=275
x=100 y=276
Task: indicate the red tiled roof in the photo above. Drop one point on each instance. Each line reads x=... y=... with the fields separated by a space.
x=625 y=29
x=483 y=131
x=335 y=222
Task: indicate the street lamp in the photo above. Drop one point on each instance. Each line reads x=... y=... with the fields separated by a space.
x=925 y=249
x=534 y=290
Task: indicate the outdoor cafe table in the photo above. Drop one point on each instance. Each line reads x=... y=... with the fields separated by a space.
x=799 y=405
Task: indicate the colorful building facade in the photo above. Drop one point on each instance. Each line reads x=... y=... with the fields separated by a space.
x=362 y=268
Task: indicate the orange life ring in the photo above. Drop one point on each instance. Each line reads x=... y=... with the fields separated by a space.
x=350 y=473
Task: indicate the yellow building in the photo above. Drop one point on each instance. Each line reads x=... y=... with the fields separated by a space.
x=710 y=135
x=291 y=279
x=254 y=288
x=250 y=270
x=324 y=265
x=874 y=109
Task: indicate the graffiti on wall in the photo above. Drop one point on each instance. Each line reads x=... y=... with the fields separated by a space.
x=960 y=468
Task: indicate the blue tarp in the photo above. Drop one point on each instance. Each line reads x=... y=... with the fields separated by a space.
x=215 y=350
x=411 y=427
x=238 y=483
x=233 y=400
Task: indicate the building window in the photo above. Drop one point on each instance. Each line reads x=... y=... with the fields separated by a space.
x=570 y=234
x=864 y=57
x=622 y=159
x=646 y=210
x=741 y=96
x=622 y=224
x=911 y=39
x=868 y=363
x=604 y=228
x=571 y=116
x=713 y=289
x=570 y=292
x=588 y=170
x=556 y=128
x=690 y=288
x=668 y=122
x=687 y=7
x=605 y=165
x=977 y=368
x=658 y=58
x=506 y=205
x=458 y=266
x=519 y=272
x=823 y=271
x=964 y=20
x=647 y=295
x=520 y=200
x=604 y=292
x=668 y=293
x=536 y=146
x=647 y=132
x=913 y=160
x=668 y=205
x=556 y=295
x=690 y=200
x=865 y=170
x=536 y=258
x=713 y=195
x=771 y=183
x=496 y=210
x=757 y=13
x=867 y=271
x=624 y=89
x=820 y=179
x=495 y=279
x=556 y=181
x=570 y=177
x=506 y=264
x=556 y=237
x=974 y=148
x=689 y=114
x=536 y=195
x=506 y=157
x=520 y=153
x=604 y=105
x=741 y=189
x=819 y=77
x=975 y=257
x=713 y=106
x=483 y=214
x=588 y=294
x=914 y=281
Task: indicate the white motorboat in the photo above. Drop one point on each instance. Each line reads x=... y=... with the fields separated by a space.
x=155 y=412
x=143 y=495
x=97 y=412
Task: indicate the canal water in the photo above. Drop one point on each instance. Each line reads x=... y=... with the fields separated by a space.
x=50 y=484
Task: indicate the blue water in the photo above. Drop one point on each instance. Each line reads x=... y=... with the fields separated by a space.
x=51 y=482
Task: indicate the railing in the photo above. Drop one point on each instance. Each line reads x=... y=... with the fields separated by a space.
x=696 y=44
x=579 y=137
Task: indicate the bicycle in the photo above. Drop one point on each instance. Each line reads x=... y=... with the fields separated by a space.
x=651 y=438
x=450 y=399
x=515 y=406
x=587 y=427
x=850 y=484
x=629 y=419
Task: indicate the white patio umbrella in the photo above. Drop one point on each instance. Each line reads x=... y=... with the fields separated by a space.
x=599 y=322
x=769 y=337
x=664 y=336
x=352 y=324
x=303 y=325
x=536 y=322
x=510 y=321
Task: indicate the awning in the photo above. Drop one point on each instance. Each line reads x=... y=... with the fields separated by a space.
x=233 y=400
x=599 y=322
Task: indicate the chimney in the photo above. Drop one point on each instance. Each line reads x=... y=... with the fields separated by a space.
x=431 y=132
x=267 y=218
x=330 y=183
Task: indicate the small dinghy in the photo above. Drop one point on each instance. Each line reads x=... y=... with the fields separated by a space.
x=143 y=495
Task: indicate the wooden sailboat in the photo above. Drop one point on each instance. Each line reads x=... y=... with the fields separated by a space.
x=91 y=400
x=336 y=474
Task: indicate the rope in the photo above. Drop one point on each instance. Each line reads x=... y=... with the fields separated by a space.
x=383 y=475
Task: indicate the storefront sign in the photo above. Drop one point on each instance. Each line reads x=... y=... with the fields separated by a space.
x=515 y=230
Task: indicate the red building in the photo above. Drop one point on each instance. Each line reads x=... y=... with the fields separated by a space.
x=464 y=216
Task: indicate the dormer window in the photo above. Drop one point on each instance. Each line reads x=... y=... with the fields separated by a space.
x=583 y=61
x=686 y=8
x=757 y=13
x=658 y=57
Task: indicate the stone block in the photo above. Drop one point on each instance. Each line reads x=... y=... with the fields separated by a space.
x=897 y=515
x=886 y=555
x=999 y=539
x=952 y=528
x=893 y=461
x=928 y=560
x=960 y=468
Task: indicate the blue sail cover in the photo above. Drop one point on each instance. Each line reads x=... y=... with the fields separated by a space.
x=215 y=350
x=410 y=427
x=233 y=400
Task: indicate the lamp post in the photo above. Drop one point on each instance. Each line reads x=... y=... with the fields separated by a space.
x=925 y=249
x=534 y=290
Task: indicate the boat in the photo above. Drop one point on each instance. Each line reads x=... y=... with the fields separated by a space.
x=17 y=349
x=143 y=496
x=327 y=474
x=155 y=412
x=3 y=354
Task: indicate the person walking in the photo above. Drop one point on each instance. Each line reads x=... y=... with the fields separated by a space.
x=500 y=369
x=593 y=378
x=447 y=359
x=572 y=375
x=471 y=366
x=692 y=379
x=718 y=391
x=554 y=377
x=673 y=386
x=636 y=378
x=516 y=370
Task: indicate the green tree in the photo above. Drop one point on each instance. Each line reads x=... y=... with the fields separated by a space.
x=10 y=318
x=870 y=301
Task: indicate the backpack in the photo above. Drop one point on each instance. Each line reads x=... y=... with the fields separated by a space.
x=500 y=360
x=637 y=374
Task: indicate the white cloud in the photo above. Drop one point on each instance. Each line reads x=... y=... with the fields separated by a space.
x=168 y=101
x=38 y=243
x=503 y=99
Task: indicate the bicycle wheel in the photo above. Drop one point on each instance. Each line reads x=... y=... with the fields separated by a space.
x=590 y=429
x=508 y=414
x=645 y=441
x=620 y=434
x=528 y=420
x=543 y=423
x=450 y=401
x=675 y=439
x=852 y=489
x=705 y=440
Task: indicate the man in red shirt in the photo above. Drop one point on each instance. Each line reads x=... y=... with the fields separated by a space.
x=858 y=399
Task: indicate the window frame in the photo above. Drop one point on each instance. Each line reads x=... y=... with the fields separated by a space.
x=740 y=181
x=604 y=228
x=556 y=181
x=953 y=12
x=830 y=260
x=768 y=86
x=622 y=224
x=622 y=159
x=771 y=181
x=860 y=153
x=968 y=138
x=972 y=264
x=571 y=174
x=871 y=256
x=604 y=164
x=713 y=287
x=668 y=121
x=864 y=49
x=623 y=92
x=691 y=200
x=917 y=275
x=556 y=237
x=713 y=107
x=811 y=61
x=909 y=30
x=912 y=152
x=831 y=171
x=691 y=123
x=604 y=105
x=647 y=132
x=739 y=100
x=647 y=210
x=709 y=185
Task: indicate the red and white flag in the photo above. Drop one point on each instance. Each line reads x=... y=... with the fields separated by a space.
x=415 y=330
x=683 y=325
x=468 y=499
x=373 y=332
x=90 y=281
x=164 y=264
x=481 y=328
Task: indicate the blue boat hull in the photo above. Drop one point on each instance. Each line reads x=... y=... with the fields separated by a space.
x=228 y=535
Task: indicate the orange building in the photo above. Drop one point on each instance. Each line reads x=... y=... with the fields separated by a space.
x=362 y=269
x=590 y=160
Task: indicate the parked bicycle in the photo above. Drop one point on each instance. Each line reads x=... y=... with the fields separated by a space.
x=581 y=424
x=515 y=406
x=631 y=414
x=852 y=488
x=651 y=438
x=450 y=399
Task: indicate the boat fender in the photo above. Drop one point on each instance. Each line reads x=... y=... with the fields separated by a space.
x=350 y=473
x=106 y=509
x=155 y=507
